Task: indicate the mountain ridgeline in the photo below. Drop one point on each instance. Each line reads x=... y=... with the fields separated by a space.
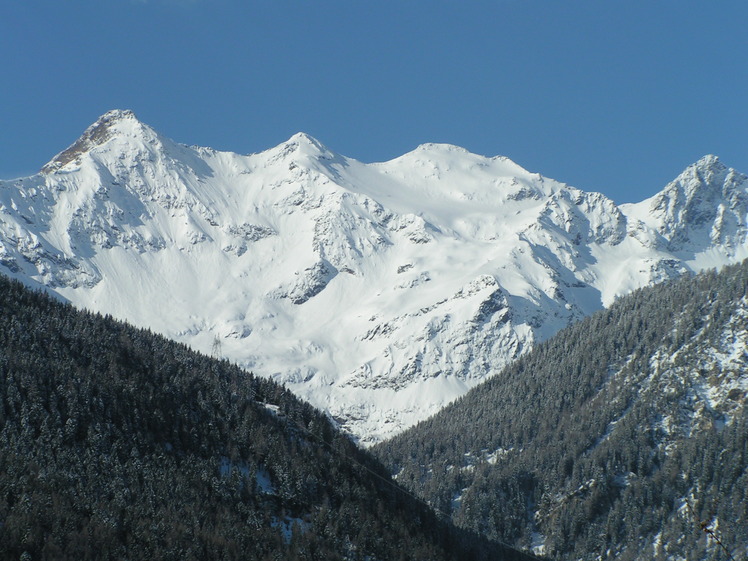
x=623 y=437
x=120 y=444
x=379 y=292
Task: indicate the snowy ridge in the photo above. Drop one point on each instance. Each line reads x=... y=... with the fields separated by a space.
x=380 y=292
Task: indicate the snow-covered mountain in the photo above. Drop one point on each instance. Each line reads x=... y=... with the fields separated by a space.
x=379 y=292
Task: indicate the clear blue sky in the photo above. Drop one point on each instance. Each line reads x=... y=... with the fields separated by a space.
x=611 y=96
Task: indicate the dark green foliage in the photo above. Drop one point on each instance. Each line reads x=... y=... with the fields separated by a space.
x=118 y=444
x=596 y=437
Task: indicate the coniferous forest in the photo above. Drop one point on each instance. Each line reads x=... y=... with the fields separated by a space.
x=623 y=437
x=119 y=444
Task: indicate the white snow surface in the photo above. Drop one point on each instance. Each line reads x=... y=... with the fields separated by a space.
x=378 y=292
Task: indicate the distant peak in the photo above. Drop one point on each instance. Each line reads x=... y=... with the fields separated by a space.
x=440 y=147
x=100 y=131
x=306 y=140
x=707 y=172
x=95 y=135
x=303 y=137
x=698 y=191
x=116 y=115
x=710 y=161
x=302 y=145
x=436 y=153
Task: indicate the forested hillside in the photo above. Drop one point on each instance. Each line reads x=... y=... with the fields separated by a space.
x=623 y=437
x=118 y=444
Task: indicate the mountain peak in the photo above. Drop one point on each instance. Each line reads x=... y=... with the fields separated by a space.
x=301 y=146
x=104 y=128
x=440 y=147
x=307 y=144
x=304 y=138
x=707 y=175
x=705 y=205
x=708 y=161
x=708 y=170
x=115 y=115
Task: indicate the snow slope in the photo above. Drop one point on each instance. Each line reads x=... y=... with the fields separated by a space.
x=379 y=292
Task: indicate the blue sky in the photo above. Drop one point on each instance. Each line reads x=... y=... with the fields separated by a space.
x=611 y=96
